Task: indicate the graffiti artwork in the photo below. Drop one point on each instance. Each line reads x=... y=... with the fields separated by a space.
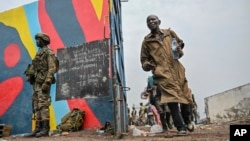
x=68 y=23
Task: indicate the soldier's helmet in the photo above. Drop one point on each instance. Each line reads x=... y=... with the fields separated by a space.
x=43 y=36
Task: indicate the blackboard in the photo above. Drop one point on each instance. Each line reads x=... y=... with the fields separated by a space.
x=83 y=71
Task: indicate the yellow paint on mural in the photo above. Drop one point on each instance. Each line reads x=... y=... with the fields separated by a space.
x=16 y=18
x=52 y=118
x=33 y=122
x=98 y=5
x=110 y=5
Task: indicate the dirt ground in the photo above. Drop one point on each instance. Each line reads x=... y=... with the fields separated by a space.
x=203 y=132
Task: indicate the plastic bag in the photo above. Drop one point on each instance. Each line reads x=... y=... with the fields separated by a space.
x=136 y=132
x=156 y=129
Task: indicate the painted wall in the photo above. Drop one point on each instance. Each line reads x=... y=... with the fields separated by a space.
x=68 y=23
x=229 y=105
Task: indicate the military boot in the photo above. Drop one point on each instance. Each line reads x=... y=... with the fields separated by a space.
x=38 y=128
x=45 y=129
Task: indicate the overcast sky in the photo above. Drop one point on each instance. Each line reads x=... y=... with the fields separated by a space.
x=217 y=43
x=216 y=35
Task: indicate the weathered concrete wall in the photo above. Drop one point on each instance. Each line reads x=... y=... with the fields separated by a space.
x=230 y=105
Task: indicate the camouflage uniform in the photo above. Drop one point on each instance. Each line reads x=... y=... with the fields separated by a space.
x=44 y=67
x=142 y=112
x=133 y=115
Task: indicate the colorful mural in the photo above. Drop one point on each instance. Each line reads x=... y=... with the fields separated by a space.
x=68 y=23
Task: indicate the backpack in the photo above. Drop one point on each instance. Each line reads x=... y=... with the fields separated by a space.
x=72 y=121
x=57 y=62
x=54 y=58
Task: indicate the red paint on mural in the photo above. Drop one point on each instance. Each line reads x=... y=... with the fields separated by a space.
x=48 y=27
x=90 y=118
x=92 y=27
x=10 y=89
x=11 y=55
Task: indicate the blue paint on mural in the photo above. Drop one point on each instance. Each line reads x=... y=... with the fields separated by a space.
x=32 y=18
x=65 y=22
x=16 y=111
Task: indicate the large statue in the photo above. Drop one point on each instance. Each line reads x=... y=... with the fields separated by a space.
x=40 y=74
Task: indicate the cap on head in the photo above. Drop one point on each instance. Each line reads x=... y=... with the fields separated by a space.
x=43 y=36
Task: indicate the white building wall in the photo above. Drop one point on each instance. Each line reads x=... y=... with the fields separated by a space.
x=230 y=105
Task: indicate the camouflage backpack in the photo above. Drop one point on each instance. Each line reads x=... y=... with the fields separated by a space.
x=72 y=121
x=57 y=67
x=54 y=58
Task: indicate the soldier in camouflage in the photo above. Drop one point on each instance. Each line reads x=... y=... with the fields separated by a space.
x=44 y=67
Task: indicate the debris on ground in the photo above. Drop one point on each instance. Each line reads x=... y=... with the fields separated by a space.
x=207 y=132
